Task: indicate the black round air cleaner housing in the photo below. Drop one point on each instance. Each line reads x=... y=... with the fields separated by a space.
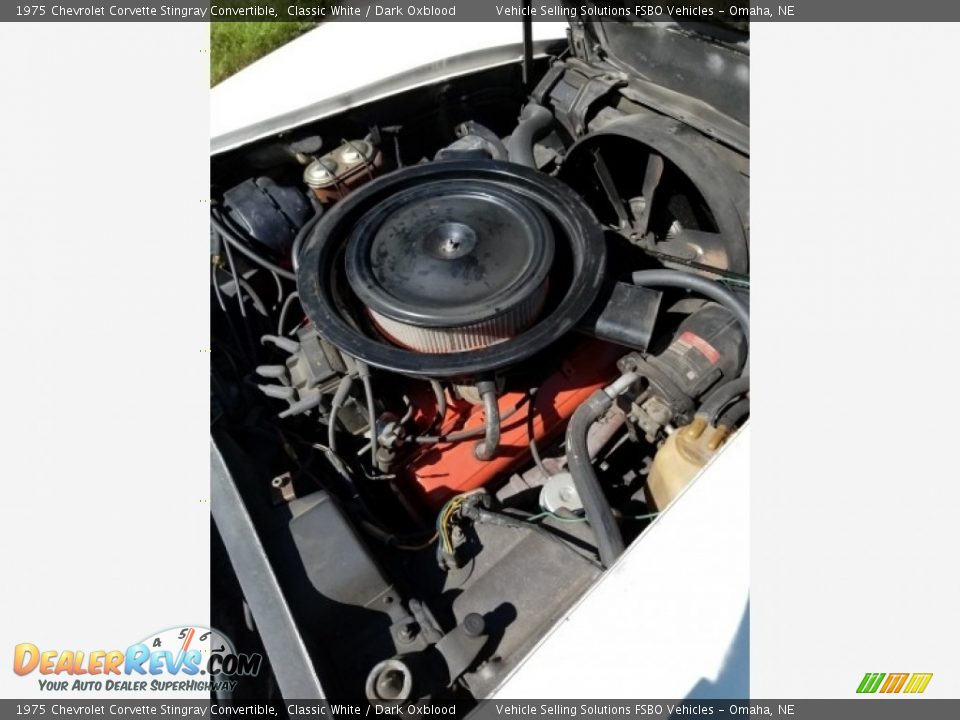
x=452 y=269
x=451 y=266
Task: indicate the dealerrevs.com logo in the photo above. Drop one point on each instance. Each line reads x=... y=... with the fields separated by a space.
x=892 y=683
x=186 y=658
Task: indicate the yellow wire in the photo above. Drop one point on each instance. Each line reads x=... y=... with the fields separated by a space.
x=421 y=546
x=446 y=514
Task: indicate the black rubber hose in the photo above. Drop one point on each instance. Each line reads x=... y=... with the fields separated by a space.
x=487 y=448
x=463 y=434
x=301 y=236
x=497 y=149
x=735 y=413
x=534 y=119
x=595 y=505
x=719 y=293
x=688 y=281
x=716 y=400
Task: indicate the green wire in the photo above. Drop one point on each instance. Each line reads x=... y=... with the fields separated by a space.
x=545 y=514
x=554 y=516
x=535 y=518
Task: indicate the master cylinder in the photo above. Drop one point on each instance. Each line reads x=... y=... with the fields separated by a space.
x=334 y=175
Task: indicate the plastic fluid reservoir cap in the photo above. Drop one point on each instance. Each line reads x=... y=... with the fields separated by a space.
x=559 y=493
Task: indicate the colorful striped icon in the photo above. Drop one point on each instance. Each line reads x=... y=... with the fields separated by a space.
x=894 y=682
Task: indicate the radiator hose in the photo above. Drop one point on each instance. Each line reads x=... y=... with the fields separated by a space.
x=534 y=119
x=595 y=505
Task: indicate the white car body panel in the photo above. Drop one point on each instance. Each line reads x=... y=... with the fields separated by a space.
x=343 y=64
x=671 y=619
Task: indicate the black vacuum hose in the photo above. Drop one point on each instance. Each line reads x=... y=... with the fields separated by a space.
x=595 y=505
x=301 y=237
x=735 y=413
x=722 y=394
x=688 y=281
x=716 y=400
x=487 y=448
x=534 y=119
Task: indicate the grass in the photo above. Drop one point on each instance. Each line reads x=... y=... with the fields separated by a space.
x=234 y=45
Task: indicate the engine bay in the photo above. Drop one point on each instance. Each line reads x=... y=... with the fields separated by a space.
x=467 y=343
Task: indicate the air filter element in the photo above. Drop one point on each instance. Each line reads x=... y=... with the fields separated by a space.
x=451 y=266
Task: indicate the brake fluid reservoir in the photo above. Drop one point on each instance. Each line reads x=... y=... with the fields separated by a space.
x=680 y=458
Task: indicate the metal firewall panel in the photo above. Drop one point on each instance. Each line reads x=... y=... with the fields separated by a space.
x=522 y=583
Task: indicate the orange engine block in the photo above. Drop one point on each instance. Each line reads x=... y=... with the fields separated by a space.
x=448 y=468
